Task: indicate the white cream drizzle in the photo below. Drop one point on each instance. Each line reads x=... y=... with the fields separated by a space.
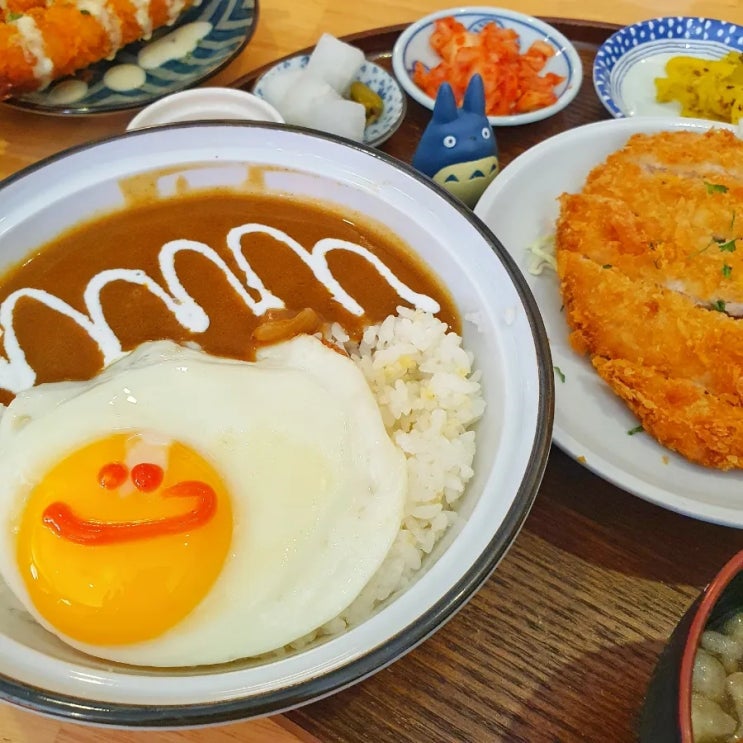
x=16 y=374
x=143 y=17
x=34 y=49
x=174 y=10
x=109 y=20
x=123 y=77
x=175 y=45
x=68 y=91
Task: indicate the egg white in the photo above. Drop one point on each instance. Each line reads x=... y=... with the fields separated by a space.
x=317 y=486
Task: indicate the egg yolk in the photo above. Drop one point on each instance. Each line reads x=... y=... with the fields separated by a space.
x=112 y=554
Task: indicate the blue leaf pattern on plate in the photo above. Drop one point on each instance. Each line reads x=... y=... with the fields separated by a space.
x=686 y=35
x=233 y=23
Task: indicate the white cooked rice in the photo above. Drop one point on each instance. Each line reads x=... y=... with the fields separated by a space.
x=429 y=397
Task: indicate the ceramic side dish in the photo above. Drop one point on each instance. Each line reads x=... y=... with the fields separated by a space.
x=205 y=103
x=501 y=326
x=203 y=41
x=627 y=63
x=666 y=711
x=372 y=75
x=413 y=46
x=591 y=423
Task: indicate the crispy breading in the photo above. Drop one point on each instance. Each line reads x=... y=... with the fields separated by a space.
x=72 y=38
x=679 y=413
x=650 y=260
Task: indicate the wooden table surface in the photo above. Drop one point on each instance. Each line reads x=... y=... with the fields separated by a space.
x=559 y=644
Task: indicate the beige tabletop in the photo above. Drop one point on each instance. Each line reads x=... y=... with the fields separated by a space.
x=596 y=545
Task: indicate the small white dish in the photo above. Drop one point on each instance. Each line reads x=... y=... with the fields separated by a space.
x=372 y=75
x=591 y=423
x=202 y=104
x=628 y=62
x=413 y=45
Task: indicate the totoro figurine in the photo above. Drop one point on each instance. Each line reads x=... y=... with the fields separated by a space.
x=458 y=148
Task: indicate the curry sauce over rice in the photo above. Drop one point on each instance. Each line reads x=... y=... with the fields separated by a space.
x=217 y=269
x=57 y=347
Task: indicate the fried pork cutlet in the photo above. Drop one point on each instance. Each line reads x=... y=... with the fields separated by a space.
x=650 y=260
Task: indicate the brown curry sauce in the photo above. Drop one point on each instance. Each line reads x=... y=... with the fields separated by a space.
x=57 y=348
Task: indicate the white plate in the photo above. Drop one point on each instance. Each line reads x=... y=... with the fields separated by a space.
x=413 y=45
x=591 y=423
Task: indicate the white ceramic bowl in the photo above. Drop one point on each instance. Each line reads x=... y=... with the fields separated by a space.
x=201 y=104
x=591 y=423
x=372 y=75
x=628 y=62
x=413 y=46
x=501 y=326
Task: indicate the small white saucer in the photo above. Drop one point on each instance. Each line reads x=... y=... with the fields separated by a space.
x=204 y=104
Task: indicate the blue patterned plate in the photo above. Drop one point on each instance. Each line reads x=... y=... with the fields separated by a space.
x=217 y=30
x=628 y=62
x=372 y=75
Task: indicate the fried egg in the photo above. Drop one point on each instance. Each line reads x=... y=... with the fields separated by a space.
x=183 y=509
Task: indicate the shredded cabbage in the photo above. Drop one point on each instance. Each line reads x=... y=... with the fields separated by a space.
x=542 y=255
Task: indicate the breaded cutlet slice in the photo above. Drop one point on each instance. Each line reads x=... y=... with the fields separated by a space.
x=679 y=413
x=650 y=262
x=616 y=317
x=681 y=232
x=713 y=155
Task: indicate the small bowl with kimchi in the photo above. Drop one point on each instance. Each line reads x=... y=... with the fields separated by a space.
x=531 y=71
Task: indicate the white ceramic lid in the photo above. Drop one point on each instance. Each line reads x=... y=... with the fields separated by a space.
x=205 y=103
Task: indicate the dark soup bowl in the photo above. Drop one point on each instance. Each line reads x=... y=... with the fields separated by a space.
x=696 y=690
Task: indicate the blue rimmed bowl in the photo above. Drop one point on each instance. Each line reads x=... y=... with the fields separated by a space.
x=372 y=75
x=413 y=46
x=232 y=22
x=628 y=62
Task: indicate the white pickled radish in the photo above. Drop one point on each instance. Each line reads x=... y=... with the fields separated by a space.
x=275 y=87
x=304 y=96
x=341 y=117
x=335 y=62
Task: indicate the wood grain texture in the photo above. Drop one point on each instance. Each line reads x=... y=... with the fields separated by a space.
x=559 y=644
x=19 y=726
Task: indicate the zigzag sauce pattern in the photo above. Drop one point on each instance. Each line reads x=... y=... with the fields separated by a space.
x=17 y=375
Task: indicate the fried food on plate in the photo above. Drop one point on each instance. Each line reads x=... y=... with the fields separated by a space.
x=40 y=42
x=650 y=260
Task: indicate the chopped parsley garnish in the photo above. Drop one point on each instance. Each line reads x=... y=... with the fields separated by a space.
x=14 y=16
x=85 y=12
x=559 y=373
x=636 y=429
x=715 y=187
x=726 y=246
x=719 y=305
x=726 y=270
x=606 y=265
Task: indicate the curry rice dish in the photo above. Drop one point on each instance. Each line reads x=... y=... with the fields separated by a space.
x=650 y=262
x=235 y=424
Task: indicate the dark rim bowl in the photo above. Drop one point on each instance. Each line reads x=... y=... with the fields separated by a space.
x=666 y=714
x=501 y=325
